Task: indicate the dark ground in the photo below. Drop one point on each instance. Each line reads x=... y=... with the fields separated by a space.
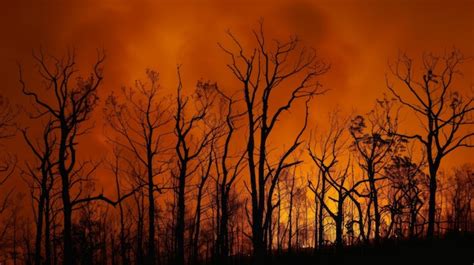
x=449 y=250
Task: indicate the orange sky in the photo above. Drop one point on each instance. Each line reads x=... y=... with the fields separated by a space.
x=356 y=37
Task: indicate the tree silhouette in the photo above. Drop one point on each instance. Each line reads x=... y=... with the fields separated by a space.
x=204 y=172
x=43 y=180
x=461 y=198
x=67 y=109
x=140 y=123
x=194 y=132
x=373 y=146
x=407 y=183
x=261 y=72
x=7 y=163
x=444 y=113
x=216 y=175
x=226 y=175
x=115 y=167
x=326 y=160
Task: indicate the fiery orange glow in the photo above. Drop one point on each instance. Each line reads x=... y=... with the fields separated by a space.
x=358 y=39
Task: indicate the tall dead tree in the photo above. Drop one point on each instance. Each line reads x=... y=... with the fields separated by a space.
x=69 y=106
x=407 y=181
x=8 y=163
x=140 y=118
x=194 y=131
x=291 y=178
x=325 y=154
x=43 y=182
x=315 y=188
x=372 y=146
x=460 y=196
x=227 y=169
x=279 y=223
x=139 y=203
x=124 y=233
x=262 y=71
x=205 y=172
x=444 y=113
x=327 y=158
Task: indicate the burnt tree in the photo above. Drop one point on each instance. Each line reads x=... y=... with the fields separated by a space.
x=373 y=146
x=43 y=181
x=327 y=158
x=69 y=106
x=227 y=167
x=444 y=113
x=194 y=131
x=140 y=118
x=262 y=71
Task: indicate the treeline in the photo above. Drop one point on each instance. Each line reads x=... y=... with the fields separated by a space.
x=202 y=175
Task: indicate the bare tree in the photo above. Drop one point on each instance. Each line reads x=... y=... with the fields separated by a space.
x=69 y=107
x=444 y=113
x=315 y=189
x=194 y=131
x=261 y=72
x=290 y=186
x=406 y=190
x=139 y=200
x=140 y=122
x=124 y=233
x=226 y=175
x=8 y=163
x=279 y=222
x=90 y=234
x=373 y=146
x=43 y=181
x=461 y=197
x=205 y=171
x=326 y=159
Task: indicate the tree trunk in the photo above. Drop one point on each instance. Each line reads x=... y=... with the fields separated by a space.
x=374 y=198
x=321 y=213
x=290 y=220
x=339 y=221
x=179 y=231
x=223 y=238
x=67 y=217
x=315 y=224
x=432 y=201
x=39 y=227
x=151 y=215
x=68 y=258
x=197 y=224
x=47 y=231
